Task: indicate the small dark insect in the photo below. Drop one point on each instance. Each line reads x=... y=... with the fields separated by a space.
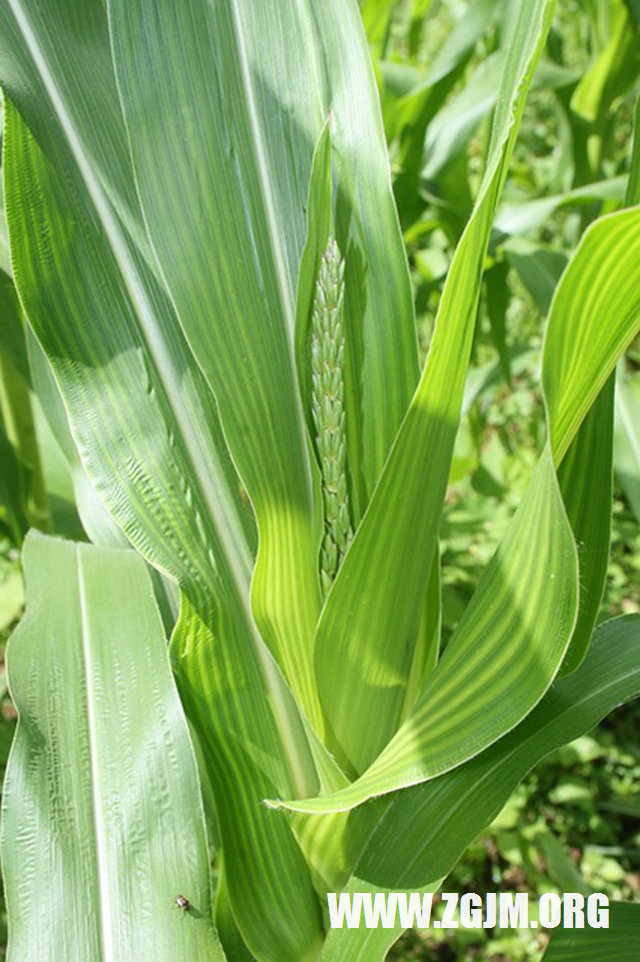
x=182 y=902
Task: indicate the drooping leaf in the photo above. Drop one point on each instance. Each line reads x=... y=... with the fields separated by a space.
x=594 y=316
x=447 y=813
x=522 y=218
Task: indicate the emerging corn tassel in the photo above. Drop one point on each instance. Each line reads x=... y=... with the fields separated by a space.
x=327 y=359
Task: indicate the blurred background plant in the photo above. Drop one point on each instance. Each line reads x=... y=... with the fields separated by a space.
x=574 y=822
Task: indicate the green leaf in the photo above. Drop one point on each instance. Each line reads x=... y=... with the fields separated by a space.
x=614 y=70
x=450 y=132
x=319 y=218
x=426 y=829
x=369 y=625
x=12 y=334
x=231 y=252
x=526 y=217
x=594 y=316
x=147 y=429
x=92 y=860
x=586 y=483
x=540 y=269
x=620 y=942
x=377 y=16
x=74 y=486
x=241 y=737
x=11 y=589
x=17 y=423
x=498 y=298
x=408 y=116
x=627 y=440
x=633 y=187
x=148 y=440
x=501 y=659
x=12 y=513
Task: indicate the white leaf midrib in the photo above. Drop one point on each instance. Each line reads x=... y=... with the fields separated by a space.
x=105 y=909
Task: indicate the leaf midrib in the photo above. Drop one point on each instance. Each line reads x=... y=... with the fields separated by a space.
x=104 y=908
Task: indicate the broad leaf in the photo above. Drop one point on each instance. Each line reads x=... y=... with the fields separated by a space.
x=423 y=831
x=448 y=813
x=620 y=942
x=231 y=255
x=369 y=625
x=146 y=425
x=92 y=861
x=595 y=314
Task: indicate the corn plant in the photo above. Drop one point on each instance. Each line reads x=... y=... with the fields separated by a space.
x=206 y=248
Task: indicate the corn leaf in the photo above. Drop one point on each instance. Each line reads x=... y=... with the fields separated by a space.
x=509 y=639
x=423 y=831
x=595 y=315
x=448 y=813
x=586 y=482
x=159 y=463
x=627 y=440
x=371 y=618
x=156 y=466
x=620 y=942
x=92 y=862
x=145 y=422
x=230 y=252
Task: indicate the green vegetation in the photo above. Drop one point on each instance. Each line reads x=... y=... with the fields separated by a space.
x=319 y=360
